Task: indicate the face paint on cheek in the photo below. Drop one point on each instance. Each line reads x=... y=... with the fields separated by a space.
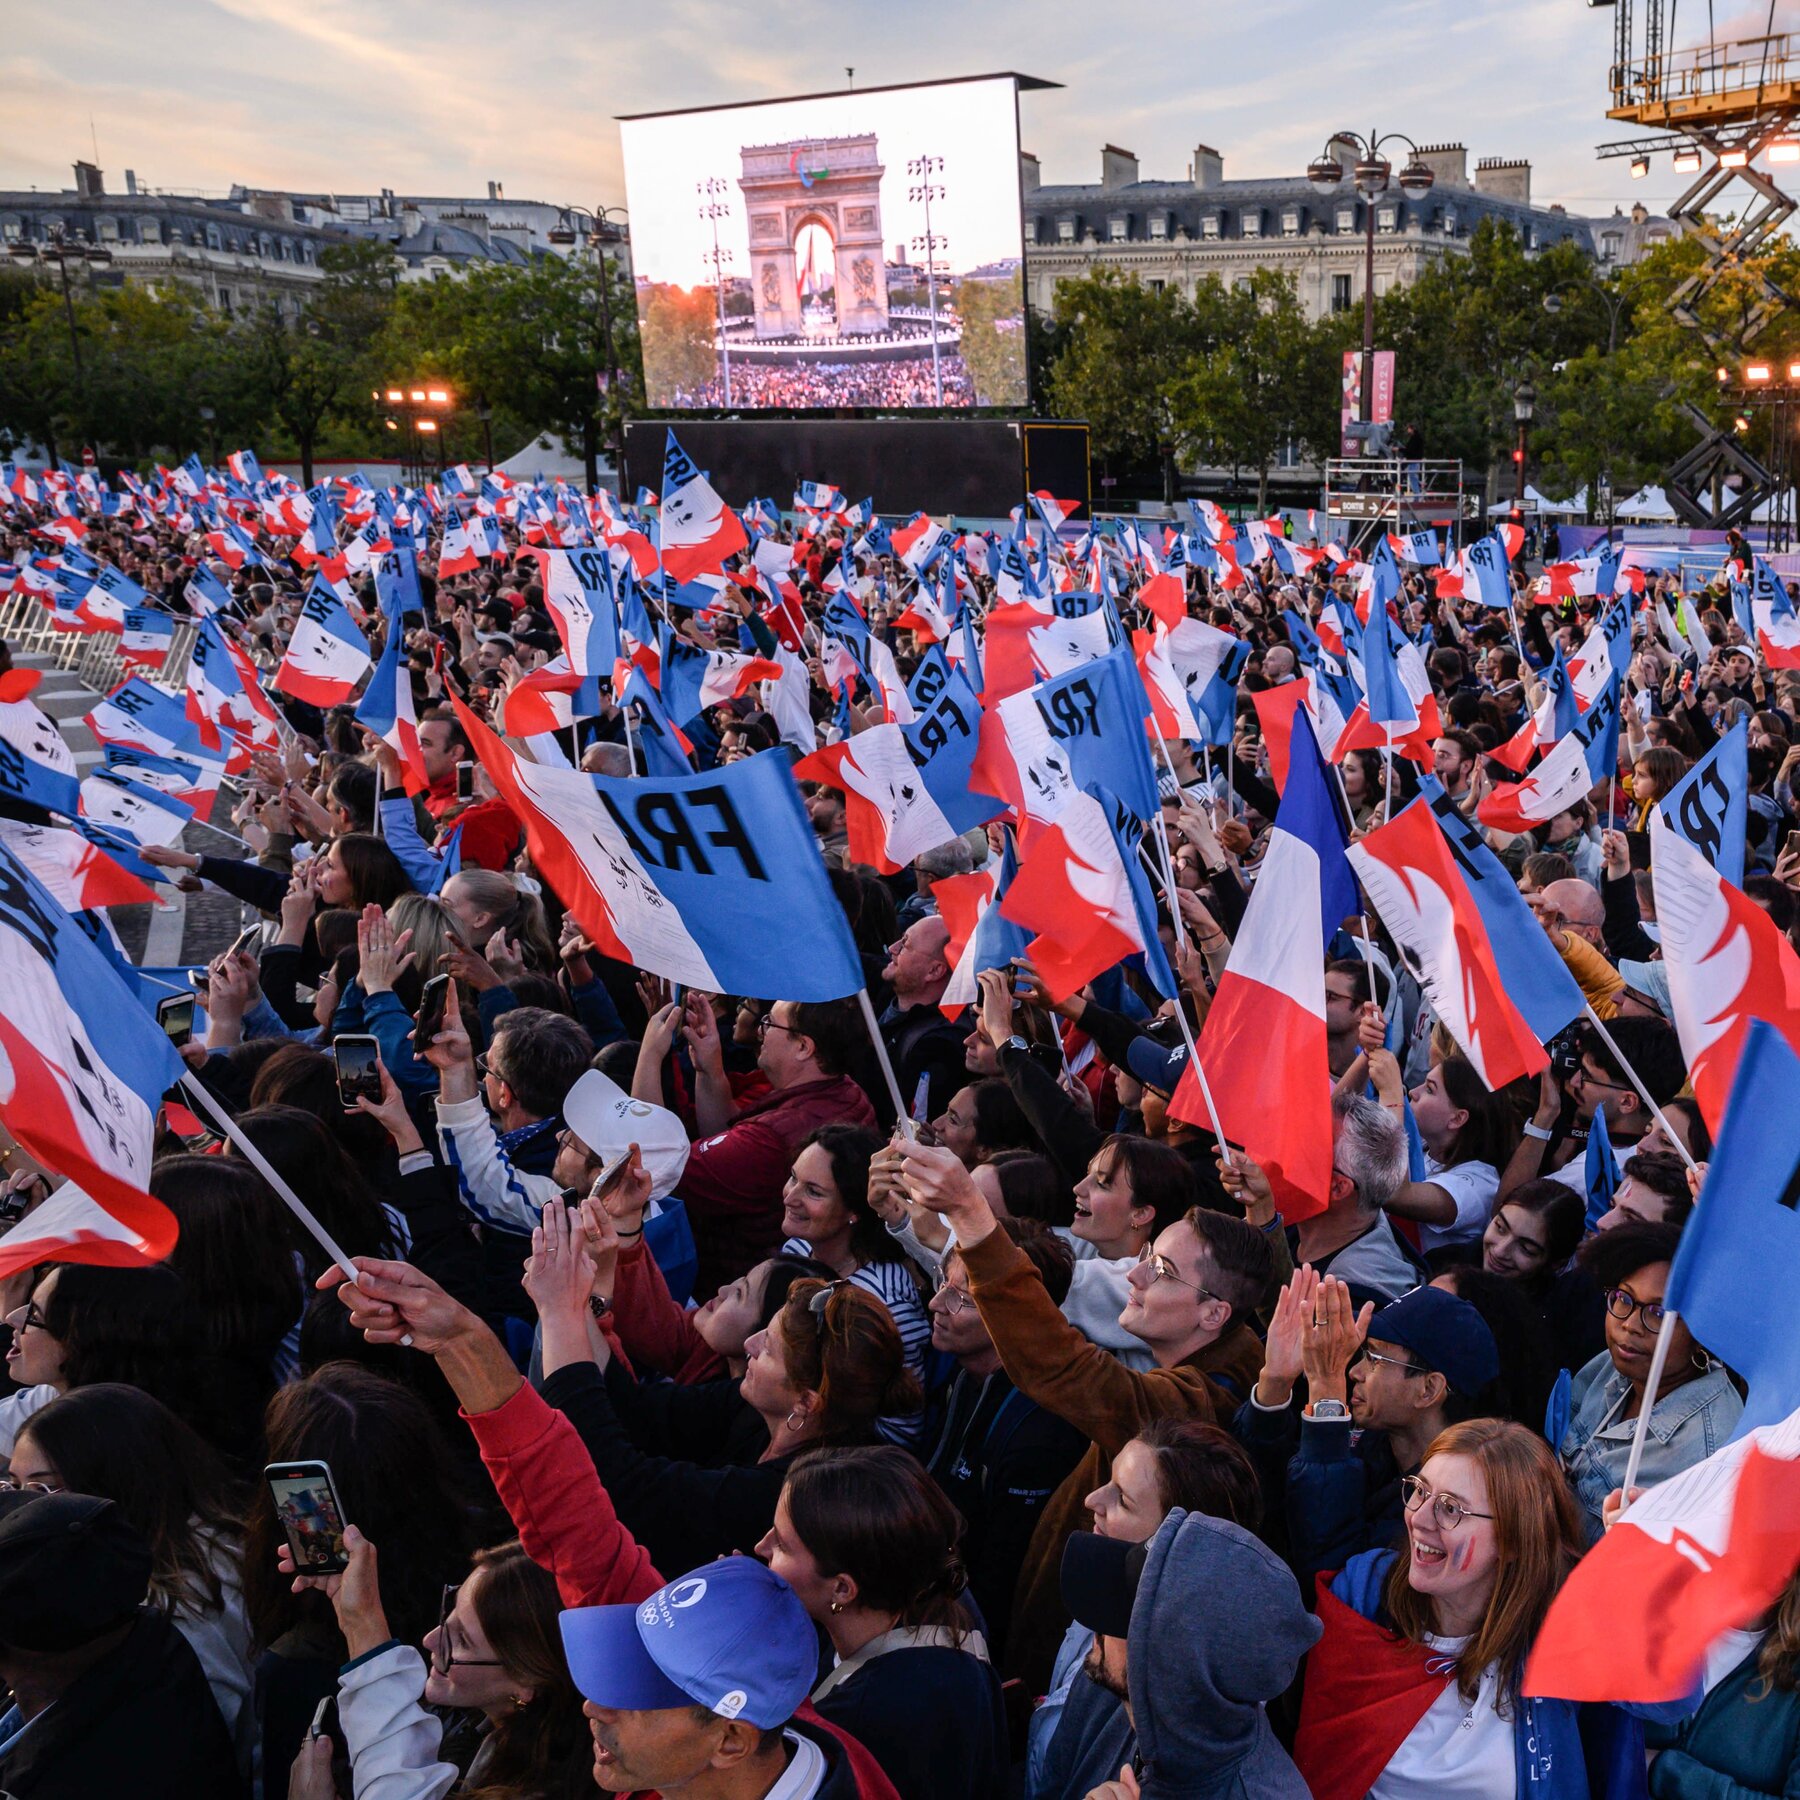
x=1462 y=1556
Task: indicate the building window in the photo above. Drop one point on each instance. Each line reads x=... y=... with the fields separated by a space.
x=1290 y=221
x=1340 y=293
x=1253 y=221
x=1065 y=231
x=1118 y=229
x=212 y=237
x=1209 y=226
x=1389 y=218
x=1157 y=285
x=1346 y=218
x=1159 y=226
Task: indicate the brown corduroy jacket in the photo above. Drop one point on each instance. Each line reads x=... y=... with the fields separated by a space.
x=1047 y=1359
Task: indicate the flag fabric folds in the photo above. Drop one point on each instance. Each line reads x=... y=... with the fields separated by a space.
x=708 y=880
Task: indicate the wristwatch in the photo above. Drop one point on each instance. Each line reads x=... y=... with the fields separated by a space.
x=1532 y=1129
x=1328 y=1409
x=599 y=1305
x=1016 y=1042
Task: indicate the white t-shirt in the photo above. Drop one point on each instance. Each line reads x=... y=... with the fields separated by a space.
x=805 y=1772
x=1573 y=1173
x=1472 y=1185
x=1459 y=1750
x=1727 y=1651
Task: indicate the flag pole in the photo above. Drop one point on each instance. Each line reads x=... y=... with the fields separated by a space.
x=1658 y=1359
x=902 y=1118
x=298 y=1207
x=630 y=740
x=1643 y=1093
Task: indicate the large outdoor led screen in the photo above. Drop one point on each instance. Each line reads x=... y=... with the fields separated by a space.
x=861 y=249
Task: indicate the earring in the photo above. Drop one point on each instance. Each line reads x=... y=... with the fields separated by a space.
x=795 y=1419
x=837 y=1606
x=520 y=1703
x=1701 y=1361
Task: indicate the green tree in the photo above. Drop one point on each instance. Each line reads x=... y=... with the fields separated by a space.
x=1121 y=346
x=680 y=342
x=325 y=365
x=993 y=338
x=1252 y=384
x=533 y=343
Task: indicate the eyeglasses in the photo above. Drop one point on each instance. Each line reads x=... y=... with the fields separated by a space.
x=484 y=1065
x=443 y=1656
x=954 y=1298
x=1622 y=1305
x=1449 y=1513
x=768 y=1022
x=822 y=1299
x=9 y=1486
x=34 y=1316
x=1395 y=1362
x=1578 y=1073
x=1161 y=1269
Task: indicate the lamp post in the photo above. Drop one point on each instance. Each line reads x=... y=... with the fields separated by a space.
x=1524 y=404
x=423 y=408
x=485 y=414
x=1371 y=175
x=921 y=169
x=62 y=249
x=602 y=218
x=713 y=209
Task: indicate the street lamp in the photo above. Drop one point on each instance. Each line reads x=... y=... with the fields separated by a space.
x=485 y=414
x=1524 y=405
x=62 y=249
x=421 y=407
x=921 y=169
x=602 y=218
x=1371 y=175
x=713 y=209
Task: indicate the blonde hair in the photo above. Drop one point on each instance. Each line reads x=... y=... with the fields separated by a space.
x=433 y=928
x=519 y=914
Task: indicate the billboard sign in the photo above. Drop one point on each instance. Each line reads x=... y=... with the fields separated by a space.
x=862 y=249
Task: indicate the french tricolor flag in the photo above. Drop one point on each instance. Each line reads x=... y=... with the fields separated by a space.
x=387 y=710
x=327 y=655
x=1263 y=1044
x=145 y=638
x=1413 y=883
x=698 y=529
x=83 y=1068
x=981 y=936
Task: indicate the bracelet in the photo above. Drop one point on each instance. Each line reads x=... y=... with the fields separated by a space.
x=1533 y=1130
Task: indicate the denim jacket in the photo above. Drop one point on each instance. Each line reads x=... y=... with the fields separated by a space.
x=1687 y=1424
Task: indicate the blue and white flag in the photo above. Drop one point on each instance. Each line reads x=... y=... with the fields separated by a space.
x=1710 y=805
x=327 y=654
x=37 y=768
x=708 y=880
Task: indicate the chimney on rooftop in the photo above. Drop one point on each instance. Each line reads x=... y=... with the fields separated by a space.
x=1504 y=178
x=1449 y=163
x=1208 y=167
x=1031 y=174
x=90 y=183
x=1118 y=168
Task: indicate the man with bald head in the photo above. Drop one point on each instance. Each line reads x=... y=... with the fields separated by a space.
x=925 y=1048
x=1574 y=915
x=1279 y=664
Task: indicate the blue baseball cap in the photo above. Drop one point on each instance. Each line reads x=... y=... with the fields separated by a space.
x=1446 y=1334
x=732 y=1637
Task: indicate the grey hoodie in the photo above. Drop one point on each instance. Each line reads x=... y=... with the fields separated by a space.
x=1217 y=1630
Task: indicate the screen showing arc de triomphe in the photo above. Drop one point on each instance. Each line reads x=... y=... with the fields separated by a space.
x=813 y=212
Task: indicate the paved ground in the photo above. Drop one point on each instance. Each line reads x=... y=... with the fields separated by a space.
x=181 y=928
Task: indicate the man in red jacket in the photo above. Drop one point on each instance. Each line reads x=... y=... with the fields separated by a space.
x=735 y=1173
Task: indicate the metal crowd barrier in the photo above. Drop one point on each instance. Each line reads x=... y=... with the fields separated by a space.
x=92 y=655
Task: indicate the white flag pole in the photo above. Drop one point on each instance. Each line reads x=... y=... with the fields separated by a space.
x=1659 y=1357
x=902 y=1117
x=298 y=1207
x=1643 y=1093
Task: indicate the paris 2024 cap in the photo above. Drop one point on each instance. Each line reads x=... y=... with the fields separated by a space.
x=731 y=1637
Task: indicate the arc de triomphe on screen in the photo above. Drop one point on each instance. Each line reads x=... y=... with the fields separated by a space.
x=835 y=182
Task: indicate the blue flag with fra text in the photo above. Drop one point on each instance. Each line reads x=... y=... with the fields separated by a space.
x=1710 y=804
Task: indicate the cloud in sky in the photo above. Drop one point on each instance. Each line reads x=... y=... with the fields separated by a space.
x=440 y=98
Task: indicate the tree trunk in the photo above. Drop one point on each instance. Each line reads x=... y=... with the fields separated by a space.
x=1262 y=492
x=306 y=458
x=590 y=450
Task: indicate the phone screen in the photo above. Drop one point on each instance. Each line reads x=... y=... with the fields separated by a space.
x=430 y=1018
x=356 y=1069
x=176 y=1016
x=306 y=1505
x=465 y=781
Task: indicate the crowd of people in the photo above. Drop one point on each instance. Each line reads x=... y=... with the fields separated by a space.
x=689 y=1425
x=812 y=381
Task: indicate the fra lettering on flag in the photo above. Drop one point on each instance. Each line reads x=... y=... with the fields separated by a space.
x=1710 y=805
x=327 y=654
x=698 y=529
x=578 y=590
x=83 y=1068
x=708 y=880
x=1708 y=1550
